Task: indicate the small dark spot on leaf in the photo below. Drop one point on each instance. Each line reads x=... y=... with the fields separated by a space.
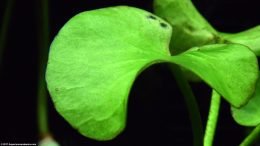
x=190 y=28
x=226 y=42
x=216 y=39
x=57 y=89
x=151 y=17
x=163 y=25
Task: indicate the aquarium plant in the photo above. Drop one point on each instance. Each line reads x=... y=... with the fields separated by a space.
x=98 y=54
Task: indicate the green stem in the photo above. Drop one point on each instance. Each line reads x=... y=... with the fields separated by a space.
x=42 y=111
x=5 y=26
x=252 y=137
x=191 y=104
x=212 y=118
x=43 y=54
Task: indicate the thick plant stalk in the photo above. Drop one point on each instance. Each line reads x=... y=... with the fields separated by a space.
x=191 y=104
x=212 y=119
x=5 y=26
x=252 y=137
x=43 y=53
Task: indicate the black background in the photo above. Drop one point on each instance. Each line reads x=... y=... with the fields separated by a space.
x=157 y=113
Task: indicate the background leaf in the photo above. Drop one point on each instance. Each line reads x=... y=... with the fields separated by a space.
x=249 y=115
x=250 y=38
x=190 y=27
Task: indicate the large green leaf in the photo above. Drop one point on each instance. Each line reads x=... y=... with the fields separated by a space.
x=96 y=56
x=190 y=29
x=94 y=60
x=250 y=38
x=249 y=115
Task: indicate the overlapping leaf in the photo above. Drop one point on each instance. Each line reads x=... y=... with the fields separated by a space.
x=190 y=29
x=230 y=69
x=97 y=55
x=249 y=115
x=250 y=38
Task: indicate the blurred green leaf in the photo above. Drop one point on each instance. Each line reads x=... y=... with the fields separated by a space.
x=249 y=115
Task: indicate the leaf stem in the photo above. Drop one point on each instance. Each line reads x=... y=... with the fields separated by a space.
x=191 y=104
x=43 y=36
x=42 y=109
x=252 y=137
x=212 y=118
x=5 y=26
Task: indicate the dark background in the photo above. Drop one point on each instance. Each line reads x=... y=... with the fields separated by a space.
x=157 y=113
